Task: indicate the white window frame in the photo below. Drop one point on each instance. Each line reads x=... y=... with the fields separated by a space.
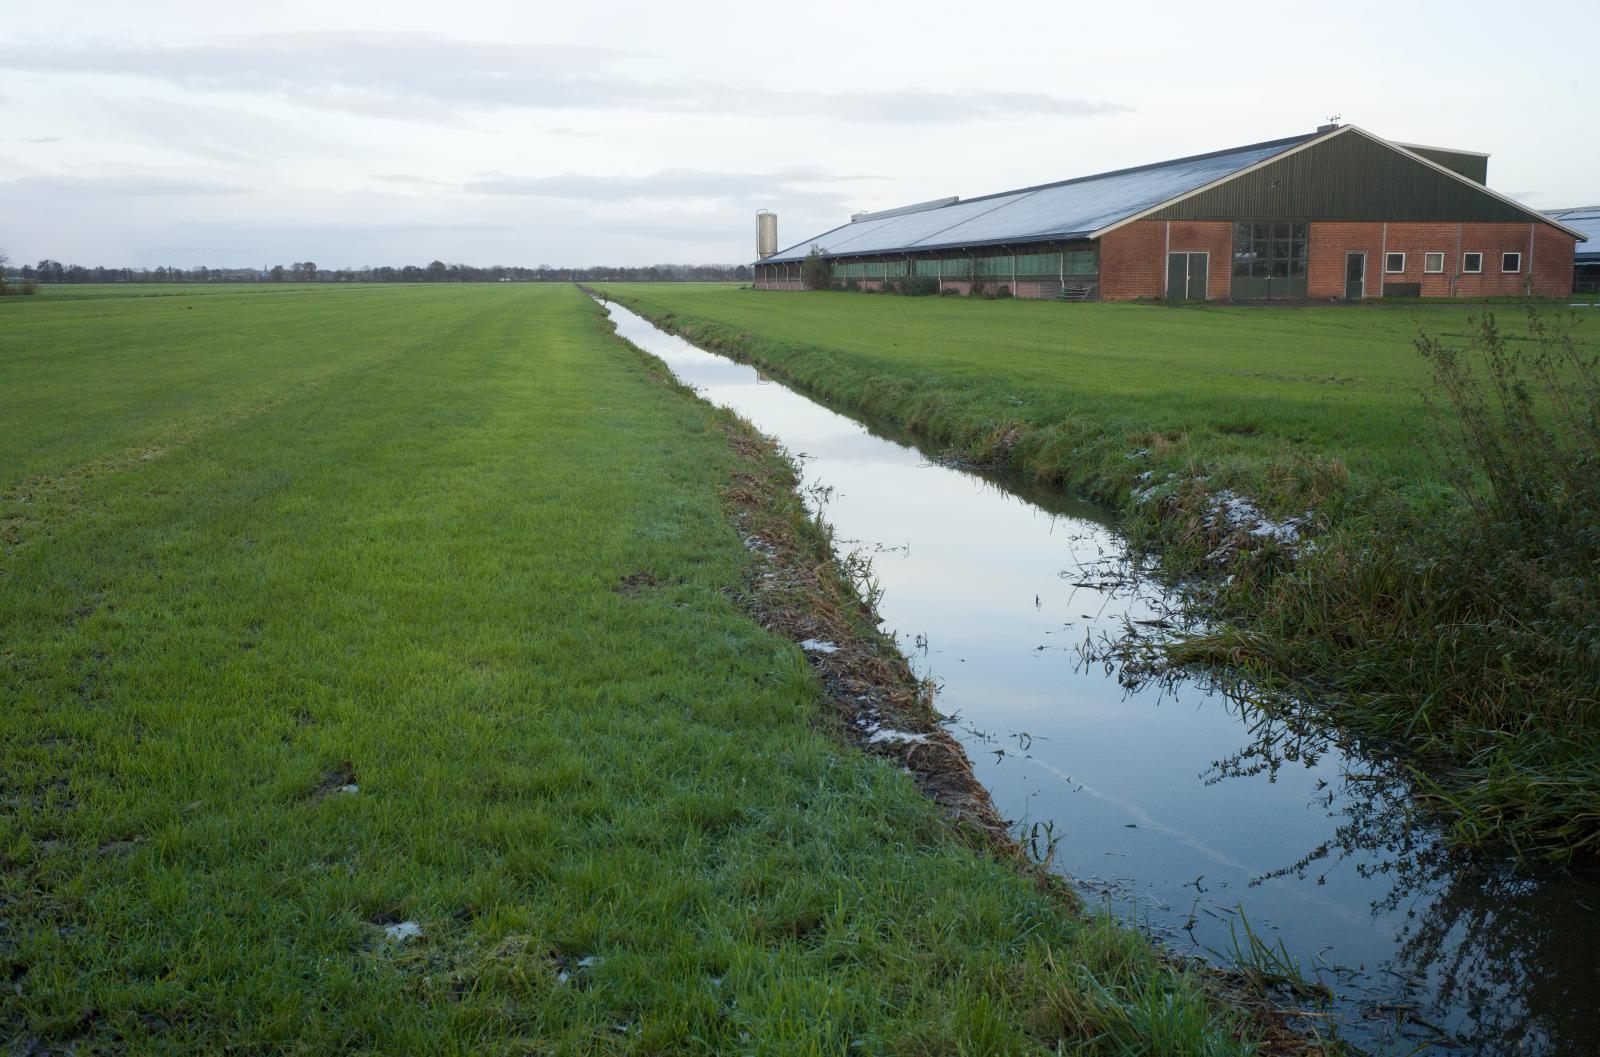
x=1511 y=271
x=1394 y=271
x=1427 y=263
x=1471 y=271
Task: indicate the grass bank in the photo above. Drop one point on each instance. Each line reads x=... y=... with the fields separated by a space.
x=1231 y=439
x=380 y=674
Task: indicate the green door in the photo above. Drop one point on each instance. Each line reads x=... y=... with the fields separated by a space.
x=1199 y=271
x=1186 y=276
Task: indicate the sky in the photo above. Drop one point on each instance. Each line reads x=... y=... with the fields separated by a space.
x=357 y=133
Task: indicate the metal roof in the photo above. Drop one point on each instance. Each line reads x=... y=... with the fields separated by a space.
x=1584 y=219
x=1065 y=210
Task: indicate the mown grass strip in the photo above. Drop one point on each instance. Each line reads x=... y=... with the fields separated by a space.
x=416 y=710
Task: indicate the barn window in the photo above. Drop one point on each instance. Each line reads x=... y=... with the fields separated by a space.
x=1472 y=263
x=1511 y=262
x=1433 y=263
x=1394 y=263
x=1269 y=259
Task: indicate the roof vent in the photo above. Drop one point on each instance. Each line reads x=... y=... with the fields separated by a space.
x=884 y=214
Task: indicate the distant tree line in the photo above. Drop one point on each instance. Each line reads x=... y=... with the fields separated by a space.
x=49 y=271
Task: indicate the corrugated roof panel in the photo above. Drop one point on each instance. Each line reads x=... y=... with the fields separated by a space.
x=1585 y=219
x=897 y=232
x=1083 y=206
x=1073 y=207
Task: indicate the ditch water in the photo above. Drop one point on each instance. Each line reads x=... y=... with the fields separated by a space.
x=1173 y=802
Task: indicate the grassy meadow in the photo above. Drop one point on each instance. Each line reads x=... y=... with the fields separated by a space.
x=329 y=725
x=1245 y=388
x=1469 y=646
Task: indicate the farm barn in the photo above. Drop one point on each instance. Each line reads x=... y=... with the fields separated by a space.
x=1586 y=265
x=1338 y=214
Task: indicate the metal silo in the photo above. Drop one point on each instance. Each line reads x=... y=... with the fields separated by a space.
x=766 y=234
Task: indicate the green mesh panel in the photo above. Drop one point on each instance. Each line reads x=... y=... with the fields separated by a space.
x=1081 y=262
x=1039 y=264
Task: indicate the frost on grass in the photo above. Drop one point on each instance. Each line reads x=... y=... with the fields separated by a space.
x=1232 y=512
x=402 y=931
x=891 y=736
x=1236 y=520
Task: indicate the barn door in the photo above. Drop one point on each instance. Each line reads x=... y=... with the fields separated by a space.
x=1186 y=276
x=1198 y=269
x=1355 y=276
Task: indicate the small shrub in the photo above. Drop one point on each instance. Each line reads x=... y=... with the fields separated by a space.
x=30 y=286
x=978 y=289
x=918 y=286
x=1000 y=292
x=853 y=285
x=816 y=273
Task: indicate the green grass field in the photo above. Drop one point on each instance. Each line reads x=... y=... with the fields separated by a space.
x=260 y=545
x=1468 y=647
x=1242 y=387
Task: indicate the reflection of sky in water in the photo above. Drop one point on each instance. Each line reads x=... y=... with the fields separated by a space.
x=1126 y=777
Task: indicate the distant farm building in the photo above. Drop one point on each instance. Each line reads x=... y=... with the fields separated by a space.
x=1586 y=263
x=1338 y=214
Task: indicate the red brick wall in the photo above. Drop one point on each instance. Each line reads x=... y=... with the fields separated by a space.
x=1214 y=237
x=1133 y=261
x=1133 y=258
x=1552 y=262
x=1325 y=257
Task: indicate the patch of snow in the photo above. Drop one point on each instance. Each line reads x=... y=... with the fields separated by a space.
x=818 y=646
x=351 y=788
x=588 y=962
x=402 y=931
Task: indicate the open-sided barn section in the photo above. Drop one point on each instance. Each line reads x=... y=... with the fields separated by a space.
x=1338 y=214
x=1586 y=263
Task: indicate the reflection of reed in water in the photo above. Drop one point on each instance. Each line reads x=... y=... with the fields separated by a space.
x=1499 y=954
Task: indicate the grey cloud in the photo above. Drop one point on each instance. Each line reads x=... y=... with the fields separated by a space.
x=56 y=187
x=221 y=133
x=668 y=184
x=418 y=75
x=43 y=139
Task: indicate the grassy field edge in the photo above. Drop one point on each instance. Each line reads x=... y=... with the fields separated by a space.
x=423 y=711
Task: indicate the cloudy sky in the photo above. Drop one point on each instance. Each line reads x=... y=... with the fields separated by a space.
x=356 y=133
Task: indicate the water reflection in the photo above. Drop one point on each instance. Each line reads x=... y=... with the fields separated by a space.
x=1173 y=797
